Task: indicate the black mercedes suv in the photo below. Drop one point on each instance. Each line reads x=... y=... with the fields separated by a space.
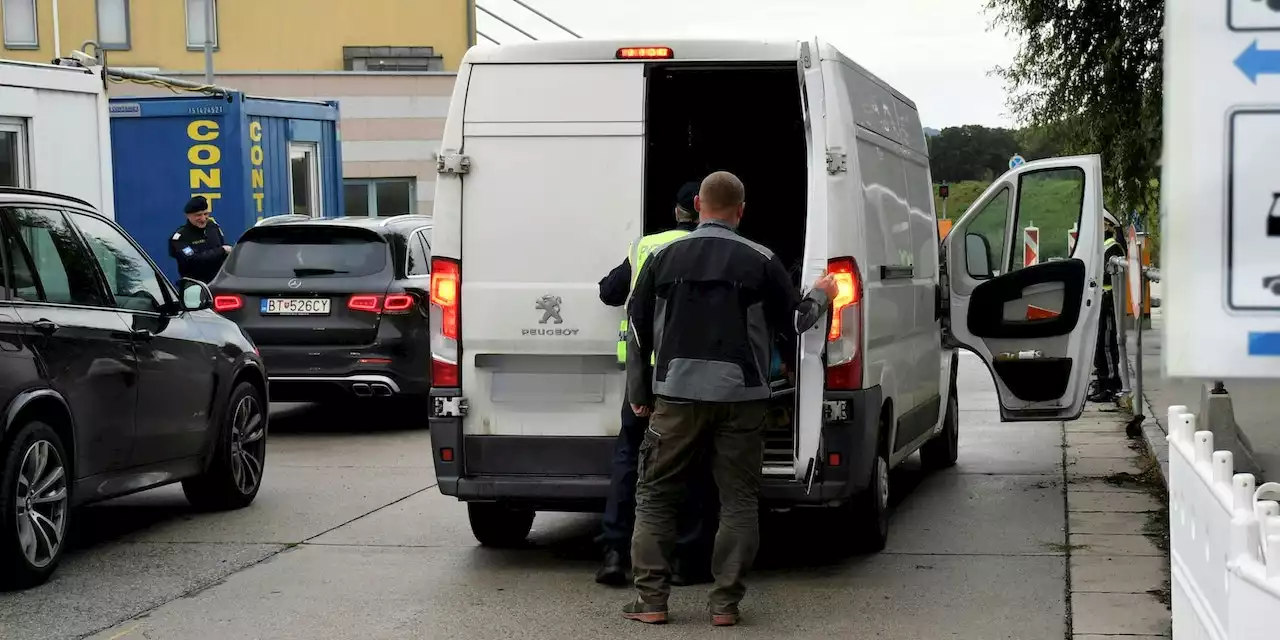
x=112 y=381
x=337 y=306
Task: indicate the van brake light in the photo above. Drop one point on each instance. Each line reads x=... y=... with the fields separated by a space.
x=446 y=350
x=645 y=53
x=844 y=339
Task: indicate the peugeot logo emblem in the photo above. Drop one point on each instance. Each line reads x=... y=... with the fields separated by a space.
x=294 y=283
x=549 y=305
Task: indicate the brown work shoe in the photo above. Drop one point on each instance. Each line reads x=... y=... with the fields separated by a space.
x=726 y=618
x=641 y=611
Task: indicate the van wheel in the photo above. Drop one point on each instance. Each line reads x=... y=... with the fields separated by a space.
x=234 y=475
x=35 y=509
x=499 y=526
x=943 y=451
x=866 y=515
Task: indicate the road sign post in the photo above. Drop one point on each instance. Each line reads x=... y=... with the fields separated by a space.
x=1016 y=161
x=1220 y=260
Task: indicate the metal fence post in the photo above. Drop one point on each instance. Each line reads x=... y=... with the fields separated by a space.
x=1119 y=287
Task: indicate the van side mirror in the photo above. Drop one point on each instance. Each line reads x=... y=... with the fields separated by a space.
x=195 y=295
x=977 y=255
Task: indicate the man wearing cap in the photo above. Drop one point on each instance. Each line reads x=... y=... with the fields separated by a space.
x=198 y=245
x=1106 y=353
x=691 y=564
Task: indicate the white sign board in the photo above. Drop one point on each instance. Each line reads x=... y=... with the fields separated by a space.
x=1220 y=259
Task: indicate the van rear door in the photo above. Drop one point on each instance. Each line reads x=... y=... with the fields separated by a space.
x=555 y=186
x=1035 y=325
x=811 y=374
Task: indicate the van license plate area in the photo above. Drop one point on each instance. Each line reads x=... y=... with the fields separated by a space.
x=295 y=306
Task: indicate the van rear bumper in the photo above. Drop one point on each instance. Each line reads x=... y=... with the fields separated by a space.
x=568 y=473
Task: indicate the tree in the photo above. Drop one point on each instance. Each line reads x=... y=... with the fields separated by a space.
x=1091 y=70
x=971 y=152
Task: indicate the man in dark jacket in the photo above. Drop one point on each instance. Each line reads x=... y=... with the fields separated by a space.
x=691 y=561
x=198 y=245
x=708 y=305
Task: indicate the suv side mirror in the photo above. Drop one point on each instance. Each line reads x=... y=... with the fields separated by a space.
x=977 y=252
x=195 y=295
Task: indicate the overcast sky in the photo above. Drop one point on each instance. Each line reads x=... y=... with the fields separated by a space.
x=937 y=52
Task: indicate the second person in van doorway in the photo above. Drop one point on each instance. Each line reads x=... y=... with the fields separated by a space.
x=708 y=304
x=198 y=245
x=1106 y=355
x=691 y=562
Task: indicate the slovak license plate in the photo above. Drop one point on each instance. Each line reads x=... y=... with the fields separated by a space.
x=295 y=306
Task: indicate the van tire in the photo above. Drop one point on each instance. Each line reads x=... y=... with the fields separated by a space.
x=866 y=515
x=499 y=526
x=943 y=451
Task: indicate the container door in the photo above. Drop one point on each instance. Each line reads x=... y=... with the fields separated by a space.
x=1032 y=316
x=811 y=372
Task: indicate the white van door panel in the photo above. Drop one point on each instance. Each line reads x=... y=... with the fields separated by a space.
x=811 y=374
x=1034 y=326
x=538 y=234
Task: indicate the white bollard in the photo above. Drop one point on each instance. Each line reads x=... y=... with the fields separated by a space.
x=1203 y=448
x=1245 y=486
x=1223 y=467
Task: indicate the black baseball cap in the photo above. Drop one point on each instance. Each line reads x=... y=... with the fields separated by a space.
x=196 y=205
x=684 y=199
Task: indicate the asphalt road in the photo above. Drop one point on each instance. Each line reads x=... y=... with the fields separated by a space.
x=350 y=539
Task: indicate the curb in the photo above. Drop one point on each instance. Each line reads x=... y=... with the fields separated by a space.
x=1154 y=432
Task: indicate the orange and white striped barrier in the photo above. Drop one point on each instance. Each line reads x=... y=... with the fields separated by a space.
x=1030 y=246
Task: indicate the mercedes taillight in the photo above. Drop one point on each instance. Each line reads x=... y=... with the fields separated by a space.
x=445 y=297
x=844 y=339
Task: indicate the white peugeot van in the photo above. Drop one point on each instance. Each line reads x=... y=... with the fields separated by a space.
x=557 y=154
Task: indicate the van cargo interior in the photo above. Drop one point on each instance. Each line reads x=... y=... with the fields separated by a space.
x=748 y=121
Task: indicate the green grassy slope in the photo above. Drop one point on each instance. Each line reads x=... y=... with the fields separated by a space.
x=1050 y=201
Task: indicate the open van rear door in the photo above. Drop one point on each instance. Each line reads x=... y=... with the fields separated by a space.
x=1031 y=312
x=811 y=371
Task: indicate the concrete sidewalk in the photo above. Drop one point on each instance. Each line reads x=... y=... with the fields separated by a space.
x=1255 y=401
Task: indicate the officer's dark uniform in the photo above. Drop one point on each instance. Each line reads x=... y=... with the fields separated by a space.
x=1106 y=354
x=697 y=523
x=199 y=252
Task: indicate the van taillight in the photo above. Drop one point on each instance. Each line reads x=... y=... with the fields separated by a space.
x=844 y=339
x=445 y=297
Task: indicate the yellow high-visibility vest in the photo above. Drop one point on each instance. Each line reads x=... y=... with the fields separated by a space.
x=1106 y=246
x=637 y=254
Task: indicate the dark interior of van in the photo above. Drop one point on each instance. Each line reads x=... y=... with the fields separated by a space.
x=745 y=120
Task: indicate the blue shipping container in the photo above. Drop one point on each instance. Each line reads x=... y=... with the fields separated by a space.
x=235 y=150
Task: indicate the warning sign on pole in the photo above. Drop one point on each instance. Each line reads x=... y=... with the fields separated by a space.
x=1135 y=273
x=1030 y=246
x=1072 y=236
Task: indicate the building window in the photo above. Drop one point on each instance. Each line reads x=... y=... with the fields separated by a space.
x=379 y=197
x=392 y=59
x=196 y=18
x=20 y=30
x=304 y=179
x=113 y=24
x=14 y=170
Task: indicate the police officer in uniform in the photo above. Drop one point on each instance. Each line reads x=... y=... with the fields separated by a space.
x=692 y=562
x=198 y=245
x=1106 y=354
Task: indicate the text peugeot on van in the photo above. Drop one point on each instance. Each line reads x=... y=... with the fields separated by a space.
x=556 y=155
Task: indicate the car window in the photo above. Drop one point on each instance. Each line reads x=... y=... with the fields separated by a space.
x=419 y=263
x=990 y=224
x=133 y=282
x=308 y=252
x=50 y=264
x=1050 y=201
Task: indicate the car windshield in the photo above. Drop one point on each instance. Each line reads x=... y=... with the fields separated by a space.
x=314 y=252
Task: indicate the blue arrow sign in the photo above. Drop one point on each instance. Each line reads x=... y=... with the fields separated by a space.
x=1255 y=62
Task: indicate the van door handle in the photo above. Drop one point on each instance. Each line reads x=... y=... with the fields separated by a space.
x=45 y=326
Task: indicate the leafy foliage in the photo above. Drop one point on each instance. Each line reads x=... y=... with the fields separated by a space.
x=975 y=152
x=1090 y=71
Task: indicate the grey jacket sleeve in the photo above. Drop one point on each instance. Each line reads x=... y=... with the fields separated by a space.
x=640 y=339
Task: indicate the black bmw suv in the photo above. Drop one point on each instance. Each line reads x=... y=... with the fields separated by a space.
x=337 y=306
x=112 y=381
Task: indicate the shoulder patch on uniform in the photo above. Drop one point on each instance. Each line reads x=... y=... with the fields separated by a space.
x=188 y=251
x=176 y=236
